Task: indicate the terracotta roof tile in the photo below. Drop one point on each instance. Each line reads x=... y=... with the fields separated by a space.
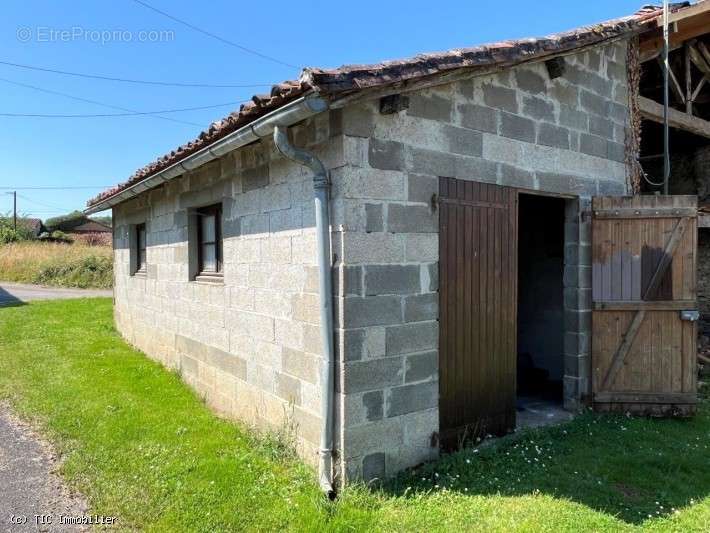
x=350 y=78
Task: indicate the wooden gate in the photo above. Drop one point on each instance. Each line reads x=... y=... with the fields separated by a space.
x=644 y=294
x=477 y=297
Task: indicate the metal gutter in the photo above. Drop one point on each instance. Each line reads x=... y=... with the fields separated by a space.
x=321 y=196
x=287 y=115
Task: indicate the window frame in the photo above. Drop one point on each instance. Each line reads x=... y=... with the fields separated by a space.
x=141 y=269
x=217 y=274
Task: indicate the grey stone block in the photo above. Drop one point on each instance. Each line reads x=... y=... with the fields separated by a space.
x=611 y=188
x=188 y=365
x=288 y=388
x=616 y=71
x=371 y=311
x=565 y=94
x=352 y=341
x=470 y=168
x=347 y=280
x=551 y=135
x=573 y=118
x=421 y=367
x=391 y=279
x=593 y=59
x=385 y=155
x=580 y=321
x=562 y=183
x=538 y=108
x=464 y=141
x=529 y=81
x=411 y=219
x=421 y=188
x=421 y=307
x=593 y=145
x=433 y=272
x=255 y=178
x=433 y=107
x=374 y=404
x=410 y=338
x=373 y=467
x=412 y=398
x=433 y=163
x=500 y=98
x=227 y=362
x=361 y=376
x=478 y=117
x=515 y=127
x=618 y=112
x=516 y=177
x=301 y=365
x=374 y=220
x=357 y=121
x=616 y=151
x=603 y=127
x=593 y=103
x=231 y=228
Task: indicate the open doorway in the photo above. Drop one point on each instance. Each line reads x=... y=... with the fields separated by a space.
x=540 y=354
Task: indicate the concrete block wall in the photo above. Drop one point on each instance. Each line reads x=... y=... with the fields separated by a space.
x=517 y=128
x=252 y=344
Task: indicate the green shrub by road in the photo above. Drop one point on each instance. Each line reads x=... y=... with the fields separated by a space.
x=139 y=444
x=57 y=264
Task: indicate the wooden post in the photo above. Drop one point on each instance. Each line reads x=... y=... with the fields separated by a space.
x=688 y=82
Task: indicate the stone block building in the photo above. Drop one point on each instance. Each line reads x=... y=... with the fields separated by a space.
x=222 y=256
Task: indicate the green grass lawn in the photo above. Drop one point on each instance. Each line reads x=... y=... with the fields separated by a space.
x=142 y=446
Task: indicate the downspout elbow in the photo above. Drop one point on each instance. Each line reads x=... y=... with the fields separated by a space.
x=321 y=186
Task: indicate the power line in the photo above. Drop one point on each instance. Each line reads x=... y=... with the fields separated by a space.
x=52 y=188
x=43 y=204
x=214 y=36
x=102 y=115
x=129 y=80
x=80 y=99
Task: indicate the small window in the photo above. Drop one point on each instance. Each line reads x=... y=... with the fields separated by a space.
x=209 y=237
x=141 y=263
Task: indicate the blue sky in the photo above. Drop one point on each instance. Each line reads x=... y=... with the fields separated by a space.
x=65 y=152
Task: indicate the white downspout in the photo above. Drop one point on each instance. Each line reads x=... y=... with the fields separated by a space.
x=321 y=187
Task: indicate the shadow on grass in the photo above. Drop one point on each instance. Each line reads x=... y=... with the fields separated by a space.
x=631 y=468
x=9 y=300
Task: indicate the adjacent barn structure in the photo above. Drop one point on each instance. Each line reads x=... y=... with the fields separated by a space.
x=391 y=258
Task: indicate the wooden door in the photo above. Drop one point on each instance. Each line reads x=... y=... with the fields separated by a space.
x=644 y=304
x=477 y=297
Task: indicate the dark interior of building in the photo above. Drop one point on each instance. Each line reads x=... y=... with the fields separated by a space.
x=540 y=365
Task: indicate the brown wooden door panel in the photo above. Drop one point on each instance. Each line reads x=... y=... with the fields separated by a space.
x=643 y=277
x=478 y=279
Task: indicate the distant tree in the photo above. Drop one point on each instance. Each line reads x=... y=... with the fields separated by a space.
x=56 y=221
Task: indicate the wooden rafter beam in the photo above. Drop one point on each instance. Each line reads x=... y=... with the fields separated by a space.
x=698 y=58
x=687 y=12
x=651 y=110
x=675 y=86
x=651 y=43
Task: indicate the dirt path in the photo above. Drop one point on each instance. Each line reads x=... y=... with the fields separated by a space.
x=17 y=293
x=28 y=484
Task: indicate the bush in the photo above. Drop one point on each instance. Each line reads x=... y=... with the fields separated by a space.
x=90 y=271
x=56 y=263
x=94 y=239
x=8 y=235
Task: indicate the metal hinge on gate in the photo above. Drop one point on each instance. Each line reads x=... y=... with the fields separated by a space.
x=690 y=316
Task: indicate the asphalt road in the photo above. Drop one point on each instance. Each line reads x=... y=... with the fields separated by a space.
x=29 y=488
x=17 y=293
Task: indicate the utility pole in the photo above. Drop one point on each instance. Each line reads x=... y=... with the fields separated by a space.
x=14 y=208
x=666 y=133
